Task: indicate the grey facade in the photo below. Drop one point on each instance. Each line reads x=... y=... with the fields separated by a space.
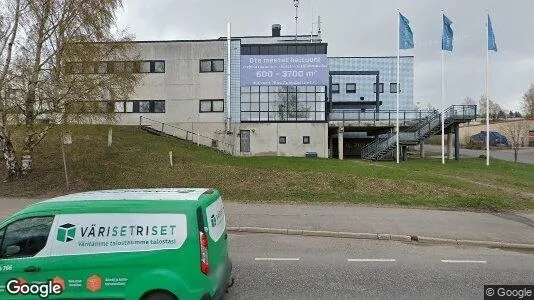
x=193 y=92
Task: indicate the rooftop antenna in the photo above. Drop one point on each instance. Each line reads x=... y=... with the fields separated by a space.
x=296 y=4
x=319 y=27
x=312 y=23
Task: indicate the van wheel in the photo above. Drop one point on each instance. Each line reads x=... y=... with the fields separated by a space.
x=159 y=296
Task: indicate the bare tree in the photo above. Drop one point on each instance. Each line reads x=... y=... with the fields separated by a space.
x=59 y=67
x=528 y=102
x=494 y=109
x=469 y=101
x=516 y=132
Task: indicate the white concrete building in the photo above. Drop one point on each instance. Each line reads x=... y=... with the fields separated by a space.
x=278 y=102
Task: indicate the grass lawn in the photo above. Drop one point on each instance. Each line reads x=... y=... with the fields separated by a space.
x=138 y=159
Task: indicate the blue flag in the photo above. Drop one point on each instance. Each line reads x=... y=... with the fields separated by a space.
x=405 y=33
x=447 y=37
x=492 y=45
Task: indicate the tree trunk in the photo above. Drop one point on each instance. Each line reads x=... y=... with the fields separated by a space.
x=515 y=154
x=12 y=166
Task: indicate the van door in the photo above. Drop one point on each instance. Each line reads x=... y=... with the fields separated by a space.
x=218 y=239
x=23 y=255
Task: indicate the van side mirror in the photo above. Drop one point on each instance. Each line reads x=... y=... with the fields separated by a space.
x=11 y=250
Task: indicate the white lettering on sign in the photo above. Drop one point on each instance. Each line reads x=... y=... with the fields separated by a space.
x=216 y=219
x=78 y=234
x=6 y=268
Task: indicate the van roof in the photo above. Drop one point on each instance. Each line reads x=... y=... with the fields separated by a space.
x=169 y=194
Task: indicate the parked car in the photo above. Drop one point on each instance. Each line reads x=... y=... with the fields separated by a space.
x=496 y=139
x=158 y=244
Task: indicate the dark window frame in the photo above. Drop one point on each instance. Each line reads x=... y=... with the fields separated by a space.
x=284 y=49
x=211 y=106
x=282 y=140
x=335 y=91
x=5 y=232
x=136 y=105
x=268 y=106
x=212 y=68
x=306 y=140
x=351 y=91
x=380 y=88
x=393 y=87
x=110 y=67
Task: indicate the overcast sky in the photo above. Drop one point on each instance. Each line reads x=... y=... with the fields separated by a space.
x=369 y=28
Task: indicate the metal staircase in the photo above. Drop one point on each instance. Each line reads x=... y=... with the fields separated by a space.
x=430 y=125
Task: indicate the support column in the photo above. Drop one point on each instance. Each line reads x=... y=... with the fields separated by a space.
x=404 y=152
x=449 y=145
x=422 y=150
x=457 y=141
x=340 y=141
x=330 y=146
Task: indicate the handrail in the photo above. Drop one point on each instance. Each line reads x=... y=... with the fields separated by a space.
x=421 y=130
x=348 y=115
x=187 y=132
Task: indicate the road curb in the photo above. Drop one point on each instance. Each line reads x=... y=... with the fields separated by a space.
x=384 y=236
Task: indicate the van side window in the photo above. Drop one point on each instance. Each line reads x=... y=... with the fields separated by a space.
x=26 y=237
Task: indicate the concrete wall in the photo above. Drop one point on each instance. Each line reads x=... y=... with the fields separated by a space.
x=468 y=131
x=182 y=85
x=264 y=138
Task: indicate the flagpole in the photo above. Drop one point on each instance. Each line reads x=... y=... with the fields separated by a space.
x=487 y=93
x=398 y=81
x=442 y=101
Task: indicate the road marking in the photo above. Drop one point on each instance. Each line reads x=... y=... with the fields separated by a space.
x=370 y=259
x=277 y=259
x=463 y=261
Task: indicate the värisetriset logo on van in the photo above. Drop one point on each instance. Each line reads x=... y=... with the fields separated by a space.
x=66 y=232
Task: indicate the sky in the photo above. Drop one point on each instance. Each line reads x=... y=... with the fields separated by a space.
x=369 y=28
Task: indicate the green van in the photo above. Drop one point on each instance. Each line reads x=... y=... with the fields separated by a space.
x=149 y=244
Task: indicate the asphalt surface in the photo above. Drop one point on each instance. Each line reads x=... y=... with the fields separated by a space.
x=499 y=227
x=290 y=267
x=525 y=155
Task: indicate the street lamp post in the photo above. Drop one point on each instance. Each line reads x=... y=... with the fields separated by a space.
x=296 y=4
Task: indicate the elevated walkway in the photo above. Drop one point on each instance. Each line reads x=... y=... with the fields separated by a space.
x=420 y=131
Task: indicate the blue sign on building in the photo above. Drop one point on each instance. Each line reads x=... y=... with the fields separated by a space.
x=276 y=70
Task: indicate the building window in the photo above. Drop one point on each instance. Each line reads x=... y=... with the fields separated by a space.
x=283 y=49
x=158 y=106
x=211 y=106
x=102 y=68
x=144 y=67
x=335 y=88
x=119 y=107
x=283 y=104
x=393 y=87
x=139 y=106
x=282 y=140
x=110 y=67
x=306 y=139
x=211 y=65
x=380 y=87
x=351 y=88
x=159 y=66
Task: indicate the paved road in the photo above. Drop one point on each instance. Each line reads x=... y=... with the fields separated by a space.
x=502 y=227
x=526 y=155
x=323 y=271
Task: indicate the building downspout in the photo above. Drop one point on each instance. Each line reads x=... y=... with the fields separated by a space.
x=228 y=80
